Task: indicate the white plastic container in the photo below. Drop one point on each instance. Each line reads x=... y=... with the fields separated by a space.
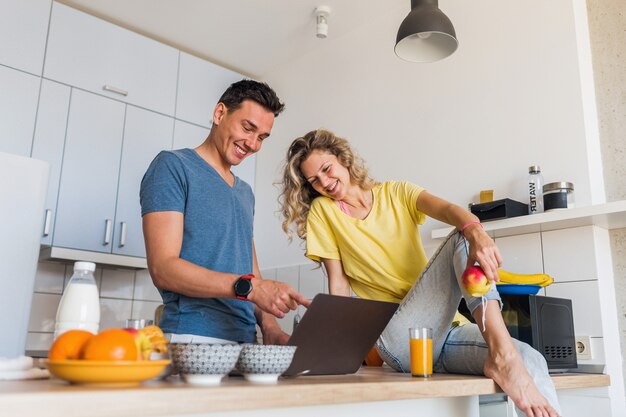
x=80 y=305
x=535 y=190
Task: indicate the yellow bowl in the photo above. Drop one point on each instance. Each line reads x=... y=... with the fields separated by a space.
x=106 y=372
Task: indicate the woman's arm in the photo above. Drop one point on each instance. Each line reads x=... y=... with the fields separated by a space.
x=338 y=283
x=482 y=248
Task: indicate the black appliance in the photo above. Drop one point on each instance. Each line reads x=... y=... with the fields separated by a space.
x=545 y=323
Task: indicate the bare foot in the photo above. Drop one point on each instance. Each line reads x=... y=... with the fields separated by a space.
x=509 y=372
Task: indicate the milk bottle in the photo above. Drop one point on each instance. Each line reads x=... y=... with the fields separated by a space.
x=80 y=305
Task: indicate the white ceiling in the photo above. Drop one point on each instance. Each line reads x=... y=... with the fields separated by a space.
x=248 y=36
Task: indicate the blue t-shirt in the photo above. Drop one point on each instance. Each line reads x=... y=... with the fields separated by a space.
x=218 y=232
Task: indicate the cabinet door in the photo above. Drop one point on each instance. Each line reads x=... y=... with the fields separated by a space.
x=90 y=173
x=200 y=85
x=48 y=144
x=18 y=108
x=89 y=53
x=145 y=134
x=187 y=135
x=23 y=31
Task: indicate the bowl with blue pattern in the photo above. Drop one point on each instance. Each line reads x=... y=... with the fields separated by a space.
x=264 y=363
x=204 y=363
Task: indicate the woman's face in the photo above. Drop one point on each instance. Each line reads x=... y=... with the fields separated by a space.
x=326 y=174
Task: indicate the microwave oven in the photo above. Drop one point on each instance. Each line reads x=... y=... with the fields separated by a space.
x=545 y=323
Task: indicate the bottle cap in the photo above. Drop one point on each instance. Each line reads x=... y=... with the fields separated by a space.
x=84 y=266
x=533 y=169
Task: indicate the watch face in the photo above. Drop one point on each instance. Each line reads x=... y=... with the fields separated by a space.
x=243 y=287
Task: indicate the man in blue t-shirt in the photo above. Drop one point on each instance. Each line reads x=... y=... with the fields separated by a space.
x=198 y=229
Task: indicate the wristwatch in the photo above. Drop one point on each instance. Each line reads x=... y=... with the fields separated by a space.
x=243 y=286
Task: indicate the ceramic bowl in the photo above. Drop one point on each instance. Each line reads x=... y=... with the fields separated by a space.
x=264 y=363
x=204 y=364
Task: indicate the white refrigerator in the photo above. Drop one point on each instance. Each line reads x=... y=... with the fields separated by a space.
x=23 y=186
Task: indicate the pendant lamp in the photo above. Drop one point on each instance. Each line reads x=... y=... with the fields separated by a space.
x=426 y=34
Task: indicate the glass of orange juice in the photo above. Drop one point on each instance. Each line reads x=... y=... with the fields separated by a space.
x=421 y=345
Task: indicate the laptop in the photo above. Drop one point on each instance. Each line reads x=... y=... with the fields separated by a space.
x=336 y=333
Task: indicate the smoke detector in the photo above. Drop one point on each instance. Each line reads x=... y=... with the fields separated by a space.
x=321 y=15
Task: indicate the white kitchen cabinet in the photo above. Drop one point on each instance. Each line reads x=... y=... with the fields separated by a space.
x=92 y=54
x=145 y=134
x=187 y=135
x=48 y=144
x=23 y=31
x=90 y=172
x=19 y=93
x=200 y=85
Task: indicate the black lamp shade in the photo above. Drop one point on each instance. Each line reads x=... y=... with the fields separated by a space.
x=426 y=34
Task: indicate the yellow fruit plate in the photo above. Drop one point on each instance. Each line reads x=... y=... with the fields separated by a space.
x=106 y=372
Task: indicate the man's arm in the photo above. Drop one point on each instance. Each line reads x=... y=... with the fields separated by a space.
x=163 y=234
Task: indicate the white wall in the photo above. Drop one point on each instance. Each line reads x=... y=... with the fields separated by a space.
x=509 y=97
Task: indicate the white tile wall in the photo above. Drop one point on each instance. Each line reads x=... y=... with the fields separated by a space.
x=521 y=254
x=269 y=273
x=49 y=277
x=43 y=312
x=290 y=275
x=585 y=303
x=144 y=288
x=311 y=280
x=39 y=341
x=144 y=309
x=115 y=286
x=597 y=351
x=114 y=312
x=569 y=254
x=117 y=283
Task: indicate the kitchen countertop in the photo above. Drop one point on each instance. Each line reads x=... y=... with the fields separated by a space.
x=57 y=398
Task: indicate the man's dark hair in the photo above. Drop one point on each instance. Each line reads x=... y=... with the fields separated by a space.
x=251 y=90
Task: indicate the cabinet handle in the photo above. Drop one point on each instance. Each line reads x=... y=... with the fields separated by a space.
x=46 y=224
x=107 y=231
x=122 y=234
x=115 y=90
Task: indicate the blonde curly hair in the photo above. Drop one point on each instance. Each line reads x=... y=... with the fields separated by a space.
x=297 y=194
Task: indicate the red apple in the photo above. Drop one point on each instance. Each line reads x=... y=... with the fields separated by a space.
x=475 y=281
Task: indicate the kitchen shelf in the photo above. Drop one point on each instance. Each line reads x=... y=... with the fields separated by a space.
x=53 y=253
x=609 y=216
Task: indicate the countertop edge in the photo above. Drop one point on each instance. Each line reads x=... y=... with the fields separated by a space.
x=55 y=397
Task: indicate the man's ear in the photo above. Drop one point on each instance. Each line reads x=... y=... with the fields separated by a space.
x=218 y=113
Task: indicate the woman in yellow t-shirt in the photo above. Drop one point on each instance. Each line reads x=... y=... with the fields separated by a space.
x=366 y=235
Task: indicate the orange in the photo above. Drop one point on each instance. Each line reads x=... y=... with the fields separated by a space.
x=69 y=345
x=111 y=345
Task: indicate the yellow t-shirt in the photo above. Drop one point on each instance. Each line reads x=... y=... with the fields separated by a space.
x=382 y=255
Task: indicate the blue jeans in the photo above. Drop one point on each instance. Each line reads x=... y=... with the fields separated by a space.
x=432 y=302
